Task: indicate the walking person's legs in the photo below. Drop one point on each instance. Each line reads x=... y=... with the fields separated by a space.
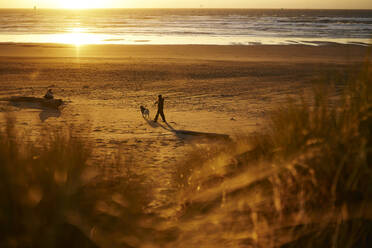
x=156 y=116
x=162 y=116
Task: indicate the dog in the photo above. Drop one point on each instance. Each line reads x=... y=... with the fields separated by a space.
x=145 y=112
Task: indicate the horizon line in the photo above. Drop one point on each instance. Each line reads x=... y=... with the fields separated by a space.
x=194 y=8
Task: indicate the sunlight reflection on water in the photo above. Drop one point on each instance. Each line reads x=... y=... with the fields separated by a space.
x=187 y=26
x=77 y=36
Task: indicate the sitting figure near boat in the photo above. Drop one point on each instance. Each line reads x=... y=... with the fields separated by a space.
x=49 y=94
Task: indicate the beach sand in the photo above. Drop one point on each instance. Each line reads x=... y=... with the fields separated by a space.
x=208 y=89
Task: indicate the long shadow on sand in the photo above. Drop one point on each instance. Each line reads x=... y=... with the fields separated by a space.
x=45 y=113
x=186 y=134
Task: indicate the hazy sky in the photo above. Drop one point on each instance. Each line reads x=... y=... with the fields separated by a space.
x=329 y=4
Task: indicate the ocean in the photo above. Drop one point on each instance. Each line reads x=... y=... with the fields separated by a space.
x=186 y=26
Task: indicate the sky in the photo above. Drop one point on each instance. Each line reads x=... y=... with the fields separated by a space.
x=317 y=4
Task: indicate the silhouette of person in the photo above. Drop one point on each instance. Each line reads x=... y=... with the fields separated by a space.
x=49 y=94
x=160 y=103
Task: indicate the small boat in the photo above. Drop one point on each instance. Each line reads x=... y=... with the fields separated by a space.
x=43 y=102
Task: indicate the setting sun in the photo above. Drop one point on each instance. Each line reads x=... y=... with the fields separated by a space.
x=82 y=4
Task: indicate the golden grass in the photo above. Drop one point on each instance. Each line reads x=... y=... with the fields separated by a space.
x=52 y=196
x=304 y=181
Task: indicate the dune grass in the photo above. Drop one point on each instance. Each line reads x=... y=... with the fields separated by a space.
x=304 y=181
x=51 y=194
x=40 y=183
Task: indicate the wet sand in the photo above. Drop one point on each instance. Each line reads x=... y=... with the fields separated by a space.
x=326 y=52
x=226 y=90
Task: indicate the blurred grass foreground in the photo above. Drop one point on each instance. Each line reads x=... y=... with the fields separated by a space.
x=303 y=181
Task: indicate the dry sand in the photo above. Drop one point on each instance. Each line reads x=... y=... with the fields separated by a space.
x=214 y=89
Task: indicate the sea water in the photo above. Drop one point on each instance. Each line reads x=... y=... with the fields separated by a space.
x=186 y=26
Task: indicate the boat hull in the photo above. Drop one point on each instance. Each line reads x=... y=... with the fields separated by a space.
x=49 y=103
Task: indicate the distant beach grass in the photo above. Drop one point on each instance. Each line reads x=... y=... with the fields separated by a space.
x=303 y=181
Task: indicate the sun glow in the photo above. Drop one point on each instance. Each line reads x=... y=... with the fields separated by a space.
x=78 y=37
x=82 y=4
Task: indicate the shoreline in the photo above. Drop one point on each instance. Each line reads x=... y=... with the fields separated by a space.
x=282 y=53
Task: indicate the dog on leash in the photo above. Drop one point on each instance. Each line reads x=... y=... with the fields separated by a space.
x=145 y=112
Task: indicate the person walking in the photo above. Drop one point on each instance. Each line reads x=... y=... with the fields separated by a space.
x=160 y=103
